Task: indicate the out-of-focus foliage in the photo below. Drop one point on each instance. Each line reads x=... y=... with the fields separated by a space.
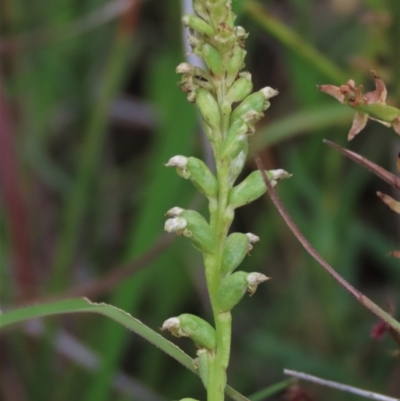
x=90 y=111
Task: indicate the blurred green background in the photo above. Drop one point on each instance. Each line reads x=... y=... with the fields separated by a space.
x=90 y=111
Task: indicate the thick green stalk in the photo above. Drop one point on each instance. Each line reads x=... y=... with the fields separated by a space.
x=220 y=223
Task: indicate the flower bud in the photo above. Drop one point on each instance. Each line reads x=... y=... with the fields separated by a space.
x=176 y=224
x=236 y=61
x=180 y=162
x=197 y=171
x=198 y=231
x=208 y=108
x=241 y=33
x=233 y=288
x=268 y=92
x=235 y=250
x=236 y=139
x=202 y=177
x=185 y=68
x=241 y=88
x=238 y=163
x=174 y=212
x=252 y=187
x=198 y=25
x=212 y=59
x=252 y=239
x=187 y=325
x=256 y=102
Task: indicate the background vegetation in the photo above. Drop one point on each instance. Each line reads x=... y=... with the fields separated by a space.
x=89 y=112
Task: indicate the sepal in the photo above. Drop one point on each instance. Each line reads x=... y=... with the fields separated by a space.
x=237 y=246
x=241 y=88
x=208 y=108
x=212 y=59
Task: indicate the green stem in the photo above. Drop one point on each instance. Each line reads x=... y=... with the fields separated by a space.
x=220 y=223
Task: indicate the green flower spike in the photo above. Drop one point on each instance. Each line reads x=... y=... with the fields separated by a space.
x=371 y=105
x=197 y=329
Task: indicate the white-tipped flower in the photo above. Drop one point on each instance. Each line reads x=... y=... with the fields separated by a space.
x=279 y=174
x=177 y=161
x=174 y=212
x=252 y=240
x=171 y=324
x=269 y=92
x=180 y=162
x=185 y=68
x=254 y=279
x=176 y=224
x=241 y=33
x=188 y=325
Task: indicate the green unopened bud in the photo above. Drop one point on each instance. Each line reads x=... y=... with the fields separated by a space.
x=237 y=246
x=236 y=61
x=208 y=108
x=198 y=25
x=202 y=178
x=235 y=250
x=238 y=163
x=236 y=139
x=212 y=59
x=202 y=365
x=233 y=288
x=197 y=171
x=187 y=325
x=256 y=102
x=241 y=88
x=253 y=187
x=198 y=231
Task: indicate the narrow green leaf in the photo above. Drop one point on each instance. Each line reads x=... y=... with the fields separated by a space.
x=84 y=305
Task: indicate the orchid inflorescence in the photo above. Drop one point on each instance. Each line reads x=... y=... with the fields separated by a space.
x=230 y=109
